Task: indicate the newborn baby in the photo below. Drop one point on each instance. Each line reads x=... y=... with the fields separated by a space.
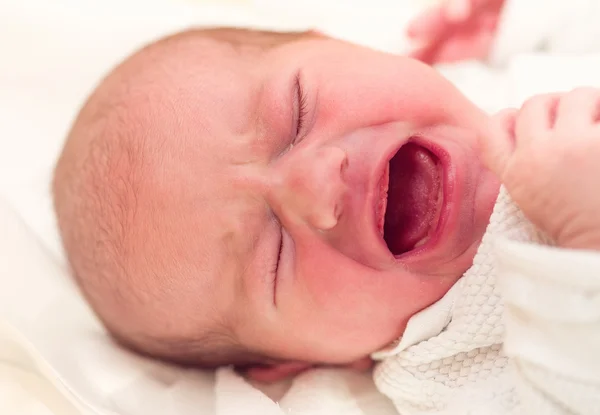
x=270 y=200
x=280 y=201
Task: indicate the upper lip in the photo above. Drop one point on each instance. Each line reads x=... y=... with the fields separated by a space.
x=380 y=170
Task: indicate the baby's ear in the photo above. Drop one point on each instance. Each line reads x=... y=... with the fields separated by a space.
x=362 y=365
x=275 y=372
x=279 y=371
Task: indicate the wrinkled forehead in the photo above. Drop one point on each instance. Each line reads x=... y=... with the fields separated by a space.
x=209 y=118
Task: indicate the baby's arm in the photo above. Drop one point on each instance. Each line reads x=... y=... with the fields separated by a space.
x=546 y=155
x=498 y=29
x=456 y=30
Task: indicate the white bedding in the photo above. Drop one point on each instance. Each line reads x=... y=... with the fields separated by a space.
x=54 y=356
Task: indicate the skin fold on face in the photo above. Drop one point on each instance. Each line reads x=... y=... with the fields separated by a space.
x=264 y=193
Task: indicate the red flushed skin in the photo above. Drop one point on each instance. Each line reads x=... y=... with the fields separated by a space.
x=227 y=186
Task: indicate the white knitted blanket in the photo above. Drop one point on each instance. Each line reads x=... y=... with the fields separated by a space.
x=450 y=360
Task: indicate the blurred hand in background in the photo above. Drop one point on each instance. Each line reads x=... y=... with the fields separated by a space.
x=456 y=30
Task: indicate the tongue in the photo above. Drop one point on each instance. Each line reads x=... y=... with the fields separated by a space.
x=413 y=192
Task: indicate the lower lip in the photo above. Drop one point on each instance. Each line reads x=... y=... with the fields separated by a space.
x=446 y=203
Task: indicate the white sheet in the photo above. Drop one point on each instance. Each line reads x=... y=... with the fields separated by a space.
x=54 y=356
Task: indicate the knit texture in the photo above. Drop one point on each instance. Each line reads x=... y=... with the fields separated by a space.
x=463 y=370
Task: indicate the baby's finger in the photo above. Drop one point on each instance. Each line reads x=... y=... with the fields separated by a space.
x=427 y=54
x=428 y=26
x=466 y=47
x=498 y=141
x=579 y=108
x=458 y=10
x=536 y=117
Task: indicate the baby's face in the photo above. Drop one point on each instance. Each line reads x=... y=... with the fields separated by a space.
x=274 y=209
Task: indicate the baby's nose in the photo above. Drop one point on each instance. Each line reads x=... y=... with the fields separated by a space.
x=311 y=187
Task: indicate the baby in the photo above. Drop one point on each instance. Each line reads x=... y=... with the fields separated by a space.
x=270 y=200
x=280 y=201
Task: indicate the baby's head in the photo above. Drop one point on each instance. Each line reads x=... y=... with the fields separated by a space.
x=222 y=198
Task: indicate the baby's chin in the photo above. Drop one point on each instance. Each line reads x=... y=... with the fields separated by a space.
x=485 y=200
x=488 y=189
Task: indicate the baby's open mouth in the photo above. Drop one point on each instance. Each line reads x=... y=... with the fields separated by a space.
x=410 y=198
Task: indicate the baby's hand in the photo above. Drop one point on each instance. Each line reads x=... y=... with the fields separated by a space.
x=547 y=154
x=458 y=29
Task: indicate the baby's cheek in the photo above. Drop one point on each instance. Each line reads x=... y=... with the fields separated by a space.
x=334 y=281
x=346 y=303
x=316 y=271
x=354 y=102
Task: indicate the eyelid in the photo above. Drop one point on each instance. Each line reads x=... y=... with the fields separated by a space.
x=300 y=105
x=275 y=269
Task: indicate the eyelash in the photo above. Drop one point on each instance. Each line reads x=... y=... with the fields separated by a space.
x=302 y=111
x=302 y=104
x=275 y=269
